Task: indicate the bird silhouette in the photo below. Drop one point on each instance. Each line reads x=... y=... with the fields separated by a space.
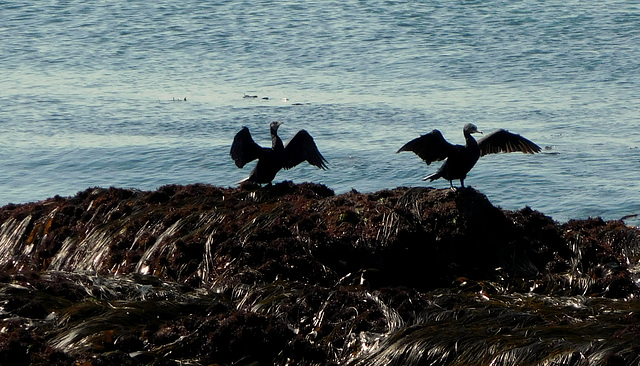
x=461 y=158
x=272 y=159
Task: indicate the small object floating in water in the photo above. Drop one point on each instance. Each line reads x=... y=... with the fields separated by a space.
x=250 y=96
x=265 y=98
x=179 y=99
x=285 y=99
x=300 y=148
x=549 y=150
x=461 y=159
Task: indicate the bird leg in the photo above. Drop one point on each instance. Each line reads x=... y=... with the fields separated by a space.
x=453 y=189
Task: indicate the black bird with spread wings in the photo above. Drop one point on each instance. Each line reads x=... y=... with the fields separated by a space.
x=271 y=160
x=460 y=159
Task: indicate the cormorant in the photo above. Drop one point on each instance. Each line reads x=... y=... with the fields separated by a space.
x=271 y=160
x=460 y=159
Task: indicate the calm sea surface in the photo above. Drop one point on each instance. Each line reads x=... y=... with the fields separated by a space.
x=92 y=94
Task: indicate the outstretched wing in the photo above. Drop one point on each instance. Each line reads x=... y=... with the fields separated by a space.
x=430 y=147
x=301 y=148
x=244 y=149
x=505 y=141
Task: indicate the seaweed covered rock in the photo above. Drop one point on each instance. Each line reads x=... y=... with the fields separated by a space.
x=208 y=236
x=204 y=235
x=294 y=274
x=416 y=237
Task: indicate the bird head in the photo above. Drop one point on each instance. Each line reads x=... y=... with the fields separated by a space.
x=274 y=125
x=471 y=128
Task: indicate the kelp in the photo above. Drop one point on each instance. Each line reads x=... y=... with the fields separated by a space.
x=293 y=274
x=537 y=331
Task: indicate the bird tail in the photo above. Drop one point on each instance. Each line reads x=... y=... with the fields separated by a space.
x=432 y=177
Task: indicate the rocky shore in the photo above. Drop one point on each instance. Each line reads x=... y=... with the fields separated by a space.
x=292 y=274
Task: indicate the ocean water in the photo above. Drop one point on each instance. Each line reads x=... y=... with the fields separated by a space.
x=93 y=94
